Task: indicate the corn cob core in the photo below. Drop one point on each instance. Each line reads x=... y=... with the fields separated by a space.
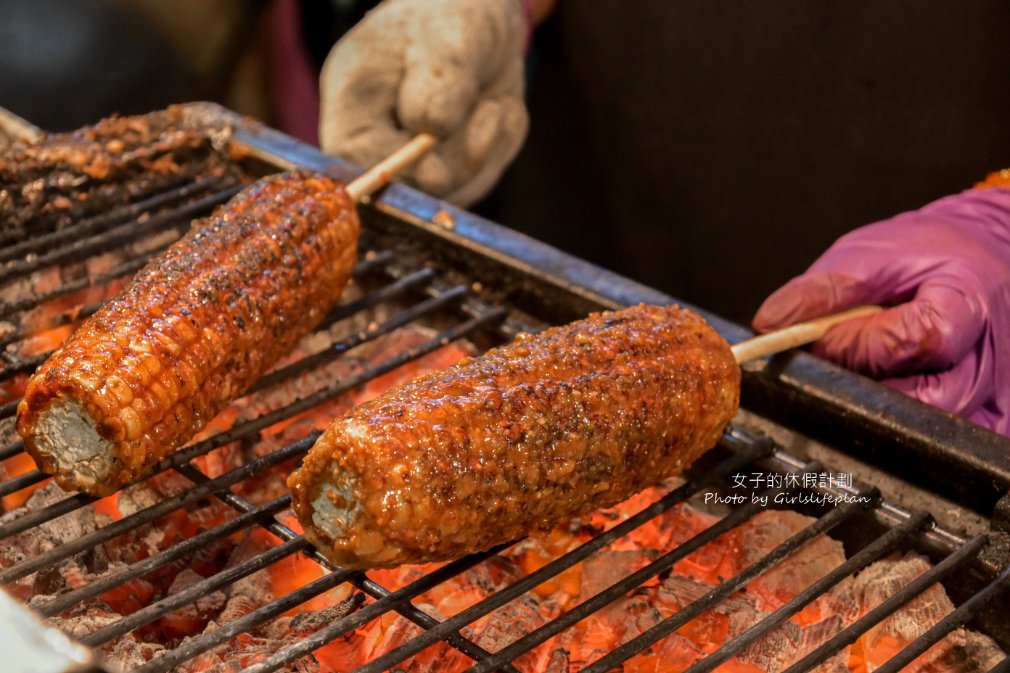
x=195 y=328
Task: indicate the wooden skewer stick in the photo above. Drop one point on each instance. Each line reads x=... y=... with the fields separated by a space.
x=380 y=175
x=795 y=335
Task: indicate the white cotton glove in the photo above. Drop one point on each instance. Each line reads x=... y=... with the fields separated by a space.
x=453 y=68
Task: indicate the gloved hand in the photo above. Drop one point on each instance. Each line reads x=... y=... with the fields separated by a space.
x=944 y=271
x=453 y=68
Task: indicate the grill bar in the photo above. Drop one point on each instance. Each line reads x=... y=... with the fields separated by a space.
x=117 y=236
x=712 y=598
x=955 y=619
x=53 y=322
x=173 y=553
x=190 y=594
x=152 y=513
x=69 y=287
x=107 y=220
x=559 y=565
x=876 y=549
x=26 y=366
x=396 y=598
x=15 y=447
x=611 y=593
x=850 y=634
x=205 y=641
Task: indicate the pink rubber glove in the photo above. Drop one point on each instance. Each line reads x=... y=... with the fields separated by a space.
x=944 y=271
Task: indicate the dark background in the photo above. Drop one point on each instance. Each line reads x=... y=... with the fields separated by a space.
x=711 y=150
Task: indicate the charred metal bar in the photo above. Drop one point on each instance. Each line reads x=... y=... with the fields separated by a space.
x=19 y=367
x=957 y=618
x=559 y=565
x=176 y=551
x=107 y=220
x=397 y=287
x=25 y=480
x=882 y=545
x=116 y=236
x=615 y=591
x=852 y=633
x=15 y=447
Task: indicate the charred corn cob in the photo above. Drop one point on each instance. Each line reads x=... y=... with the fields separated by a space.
x=195 y=328
x=522 y=438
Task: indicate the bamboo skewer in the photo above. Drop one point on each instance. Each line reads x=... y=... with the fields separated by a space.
x=795 y=335
x=380 y=175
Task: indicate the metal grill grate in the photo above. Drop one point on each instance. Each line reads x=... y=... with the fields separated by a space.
x=408 y=292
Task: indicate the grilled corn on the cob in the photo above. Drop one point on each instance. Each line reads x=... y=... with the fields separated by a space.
x=195 y=328
x=522 y=438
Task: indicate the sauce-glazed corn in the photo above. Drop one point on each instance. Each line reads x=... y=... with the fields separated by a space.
x=547 y=428
x=195 y=328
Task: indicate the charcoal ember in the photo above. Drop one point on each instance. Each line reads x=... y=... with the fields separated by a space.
x=242 y=652
x=46 y=536
x=62 y=529
x=776 y=650
x=137 y=497
x=128 y=653
x=881 y=580
x=309 y=622
x=191 y=619
x=963 y=651
x=559 y=661
x=244 y=596
x=608 y=567
x=84 y=619
x=767 y=530
x=510 y=623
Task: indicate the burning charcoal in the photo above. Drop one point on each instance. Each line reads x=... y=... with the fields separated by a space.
x=308 y=622
x=128 y=653
x=192 y=618
x=962 y=651
x=802 y=568
x=775 y=651
x=558 y=662
x=84 y=619
x=815 y=635
x=134 y=498
x=509 y=624
x=62 y=529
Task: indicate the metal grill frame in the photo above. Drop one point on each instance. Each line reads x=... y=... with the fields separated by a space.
x=536 y=280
